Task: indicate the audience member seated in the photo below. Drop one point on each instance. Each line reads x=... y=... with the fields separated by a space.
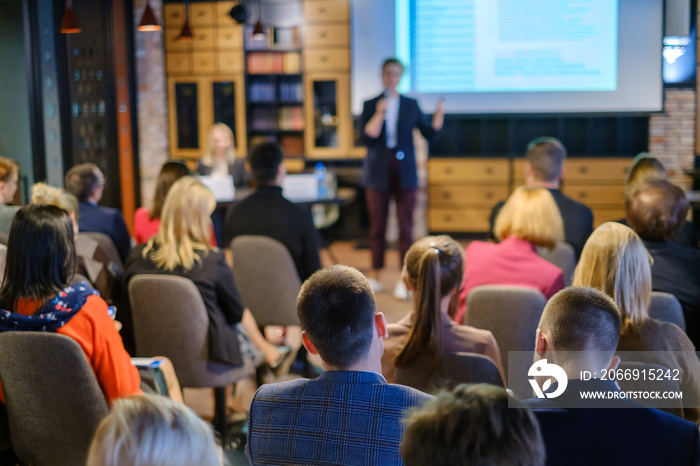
x=646 y=167
x=349 y=415
x=152 y=430
x=86 y=182
x=615 y=261
x=655 y=211
x=530 y=218
x=220 y=158
x=182 y=247
x=35 y=291
x=544 y=168
x=267 y=213
x=147 y=219
x=579 y=331
x=433 y=270
x=473 y=425
x=9 y=173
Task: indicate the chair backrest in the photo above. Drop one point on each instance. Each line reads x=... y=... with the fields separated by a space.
x=54 y=402
x=267 y=279
x=106 y=243
x=673 y=406
x=563 y=256
x=170 y=320
x=455 y=368
x=3 y=260
x=666 y=307
x=511 y=313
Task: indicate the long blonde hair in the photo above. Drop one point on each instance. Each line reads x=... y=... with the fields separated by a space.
x=208 y=158
x=615 y=261
x=530 y=214
x=185 y=226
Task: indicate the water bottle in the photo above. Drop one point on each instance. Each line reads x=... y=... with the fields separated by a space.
x=321 y=175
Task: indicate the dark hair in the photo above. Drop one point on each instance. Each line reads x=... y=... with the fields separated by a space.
x=392 y=61
x=40 y=254
x=656 y=210
x=473 y=425
x=581 y=319
x=83 y=179
x=434 y=266
x=546 y=156
x=264 y=160
x=336 y=309
x=170 y=172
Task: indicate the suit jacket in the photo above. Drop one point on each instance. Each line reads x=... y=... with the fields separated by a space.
x=577 y=217
x=375 y=169
x=108 y=221
x=615 y=433
x=342 y=418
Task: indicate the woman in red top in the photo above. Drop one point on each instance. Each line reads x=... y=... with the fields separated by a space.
x=36 y=295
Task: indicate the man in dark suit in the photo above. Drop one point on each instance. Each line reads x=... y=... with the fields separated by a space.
x=349 y=415
x=579 y=331
x=389 y=170
x=544 y=169
x=86 y=182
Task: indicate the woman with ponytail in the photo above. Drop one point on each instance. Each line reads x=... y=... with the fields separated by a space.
x=433 y=270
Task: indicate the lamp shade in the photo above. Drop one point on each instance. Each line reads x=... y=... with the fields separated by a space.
x=258 y=31
x=69 y=24
x=186 y=33
x=148 y=20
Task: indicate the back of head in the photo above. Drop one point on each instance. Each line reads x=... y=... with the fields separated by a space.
x=40 y=254
x=185 y=225
x=44 y=194
x=170 y=172
x=83 y=179
x=265 y=160
x=644 y=167
x=546 y=156
x=530 y=214
x=152 y=430
x=581 y=319
x=8 y=168
x=473 y=425
x=336 y=309
x=434 y=267
x=615 y=261
x=656 y=210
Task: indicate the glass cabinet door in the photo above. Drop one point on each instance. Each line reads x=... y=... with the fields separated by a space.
x=327 y=107
x=227 y=105
x=185 y=116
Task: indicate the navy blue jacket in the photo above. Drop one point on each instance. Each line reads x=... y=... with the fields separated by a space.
x=375 y=170
x=108 y=221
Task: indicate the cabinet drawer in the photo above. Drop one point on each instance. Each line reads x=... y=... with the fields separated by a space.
x=596 y=195
x=326 y=11
x=174 y=15
x=204 y=39
x=454 y=220
x=178 y=63
x=596 y=171
x=470 y=171
x=453 y=196
x=202 y=14
x=230 y=62
x=327 y=59
x=294 y=165
x=327 y=35
x=174 y=45
x=203 y=63
x=230 y=38
x=607 y=215
x=519 y=172
x=223 y=19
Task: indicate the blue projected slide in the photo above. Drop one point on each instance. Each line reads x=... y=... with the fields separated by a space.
x=456 y=46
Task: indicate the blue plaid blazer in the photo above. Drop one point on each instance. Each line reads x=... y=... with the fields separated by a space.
x=343 y=418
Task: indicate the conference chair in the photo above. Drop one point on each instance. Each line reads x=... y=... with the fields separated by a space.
x=454 y=369
x=563 y=256
x=673 y=406
x=666 y=307
x=107 y=245
x=170 y=320
x=54 y=402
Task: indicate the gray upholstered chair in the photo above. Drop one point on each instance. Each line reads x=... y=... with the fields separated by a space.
x=455 y=368
x=170 y=320
x=54 y=402
x=106 y=243
x=511 y=313
x=666 y=307
x=563 y=256
x=673 y=406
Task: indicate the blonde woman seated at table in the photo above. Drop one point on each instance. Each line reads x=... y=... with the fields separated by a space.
x=615 y=261
x=433 y=271
x=529 y=218
x=220 y=158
